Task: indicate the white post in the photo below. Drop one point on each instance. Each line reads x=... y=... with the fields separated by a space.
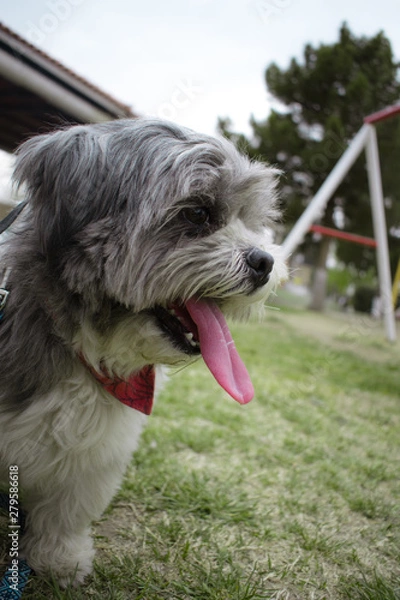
x=380 y=232
x=320 y=200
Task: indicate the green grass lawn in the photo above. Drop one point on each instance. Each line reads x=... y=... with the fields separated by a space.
x=294 y=496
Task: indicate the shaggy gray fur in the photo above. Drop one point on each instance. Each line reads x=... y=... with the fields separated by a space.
x=95 y=194
x=128 y=226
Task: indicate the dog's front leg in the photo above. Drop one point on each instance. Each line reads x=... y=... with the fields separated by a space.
x=57 y=539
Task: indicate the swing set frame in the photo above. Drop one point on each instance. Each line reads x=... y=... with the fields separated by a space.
x=366 y=139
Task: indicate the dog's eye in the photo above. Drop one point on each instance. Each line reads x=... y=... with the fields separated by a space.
x=199 y=216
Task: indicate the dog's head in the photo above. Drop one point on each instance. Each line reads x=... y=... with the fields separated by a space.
x=171 y=225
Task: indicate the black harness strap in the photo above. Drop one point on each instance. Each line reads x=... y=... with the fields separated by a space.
x=18 y=571
x=4 y=225
x=10 y=218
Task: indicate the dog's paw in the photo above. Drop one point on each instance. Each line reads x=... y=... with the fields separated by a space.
x=67 y=578
x=67 y=560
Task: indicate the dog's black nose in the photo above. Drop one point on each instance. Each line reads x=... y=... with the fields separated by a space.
x=261 y=264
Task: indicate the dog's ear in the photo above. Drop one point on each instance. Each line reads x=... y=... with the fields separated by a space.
x=63 y=172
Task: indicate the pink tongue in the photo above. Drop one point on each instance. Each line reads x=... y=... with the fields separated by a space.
x=218 y=350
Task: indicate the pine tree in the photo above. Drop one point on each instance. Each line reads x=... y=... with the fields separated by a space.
x=323 y=100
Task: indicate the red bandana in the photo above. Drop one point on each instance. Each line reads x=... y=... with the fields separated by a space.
x=136 y=392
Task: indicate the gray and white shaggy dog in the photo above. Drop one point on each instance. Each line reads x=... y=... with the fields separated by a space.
x=136 y=238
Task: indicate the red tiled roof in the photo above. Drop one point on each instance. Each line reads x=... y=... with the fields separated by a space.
x=62 y=69
x=38 y=93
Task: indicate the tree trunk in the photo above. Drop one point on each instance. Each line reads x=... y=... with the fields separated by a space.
x=320 y=278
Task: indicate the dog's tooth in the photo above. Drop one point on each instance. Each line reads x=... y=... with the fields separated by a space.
x=190 y=338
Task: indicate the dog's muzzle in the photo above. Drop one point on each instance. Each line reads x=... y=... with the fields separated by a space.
x=260 y=264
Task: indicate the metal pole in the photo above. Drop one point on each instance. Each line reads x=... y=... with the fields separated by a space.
x=380 y=231
x=320 y=200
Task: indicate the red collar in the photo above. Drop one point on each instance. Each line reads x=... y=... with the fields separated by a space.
x=136 y=392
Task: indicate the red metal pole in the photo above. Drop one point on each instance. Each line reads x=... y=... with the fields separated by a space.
x=343 y=235
x=381 y=115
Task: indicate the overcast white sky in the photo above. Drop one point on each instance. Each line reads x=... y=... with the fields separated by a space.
x=190 y=60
